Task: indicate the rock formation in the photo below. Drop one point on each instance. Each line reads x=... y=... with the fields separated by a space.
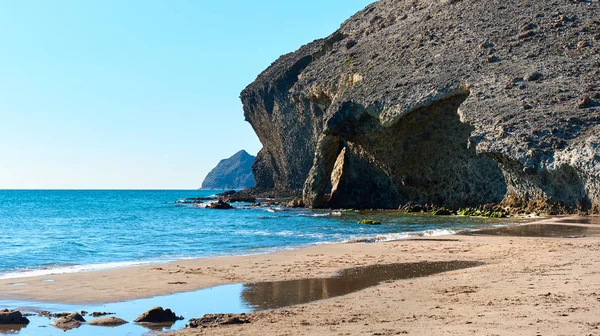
x=452 y=103
x=232 y=173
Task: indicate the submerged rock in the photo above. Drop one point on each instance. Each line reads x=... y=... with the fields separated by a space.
x=108 y=322
x=450 y=103
x=12 y=317
x=209 y=320
x=158 y=315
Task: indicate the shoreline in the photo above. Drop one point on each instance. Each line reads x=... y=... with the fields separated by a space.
x=94 y=287
x=14 y=274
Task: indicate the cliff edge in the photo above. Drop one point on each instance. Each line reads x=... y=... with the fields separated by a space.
x=453 y=103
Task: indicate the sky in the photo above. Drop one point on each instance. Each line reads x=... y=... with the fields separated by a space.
x=138 y=94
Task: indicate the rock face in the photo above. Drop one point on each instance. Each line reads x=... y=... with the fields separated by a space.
x=12 y=317
x=445 y=103
x=232 y=173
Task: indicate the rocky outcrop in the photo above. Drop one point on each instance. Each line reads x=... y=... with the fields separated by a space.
x=232 y=173
x=447 y=103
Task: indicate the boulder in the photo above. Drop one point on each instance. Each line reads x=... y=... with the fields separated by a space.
x=108 y=322
x=158 y=315
x=12 y=317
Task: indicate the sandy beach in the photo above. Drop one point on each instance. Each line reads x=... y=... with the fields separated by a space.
x=528 y=286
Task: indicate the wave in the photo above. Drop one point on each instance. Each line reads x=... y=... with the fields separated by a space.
x=26 y=273
x=401 y=236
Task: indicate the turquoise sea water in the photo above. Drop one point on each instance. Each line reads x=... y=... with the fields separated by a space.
x=48 y=232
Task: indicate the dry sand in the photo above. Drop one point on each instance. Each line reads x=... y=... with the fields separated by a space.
x=529 y=286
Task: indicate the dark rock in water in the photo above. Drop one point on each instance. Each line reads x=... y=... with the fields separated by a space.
x=220 y=205
x=209 y=320
x=403 y=104
x=69 y=322
x=108 y=322
x=45 y=313
x=13 y=317
x=232 y=173
x=100 y=314
x=158 y=315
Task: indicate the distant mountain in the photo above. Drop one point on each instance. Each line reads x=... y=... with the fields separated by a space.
x=232 y=173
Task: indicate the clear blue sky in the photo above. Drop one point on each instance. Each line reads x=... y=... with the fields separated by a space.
x=124 y=94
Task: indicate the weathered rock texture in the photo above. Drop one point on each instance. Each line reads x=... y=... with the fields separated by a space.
x=447 y=102
x=232 y=173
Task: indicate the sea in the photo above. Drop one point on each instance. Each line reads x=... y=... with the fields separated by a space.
x=46 y=232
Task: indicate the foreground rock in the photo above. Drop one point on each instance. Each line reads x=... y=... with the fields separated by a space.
x=210 y=320
x=232 y=173
x=13 y=317
x=158 y=315
x=456 y=104
x=108 y=322
x=69 y=322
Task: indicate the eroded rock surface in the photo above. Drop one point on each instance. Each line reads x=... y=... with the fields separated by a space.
x=447 y=103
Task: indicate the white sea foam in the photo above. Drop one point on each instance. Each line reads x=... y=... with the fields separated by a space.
x=402 y=235
x=26 y=273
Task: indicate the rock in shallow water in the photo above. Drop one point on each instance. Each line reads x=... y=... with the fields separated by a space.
x=158 y=315
x=210 y=320
x=220 y=205
x=12 y=317
x=69 y=322
x=108 y=322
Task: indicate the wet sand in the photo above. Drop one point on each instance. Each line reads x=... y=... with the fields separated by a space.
x=528 y=285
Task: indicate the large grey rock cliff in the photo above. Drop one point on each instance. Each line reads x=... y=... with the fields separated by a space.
x=232 y=173
x=447 y=102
